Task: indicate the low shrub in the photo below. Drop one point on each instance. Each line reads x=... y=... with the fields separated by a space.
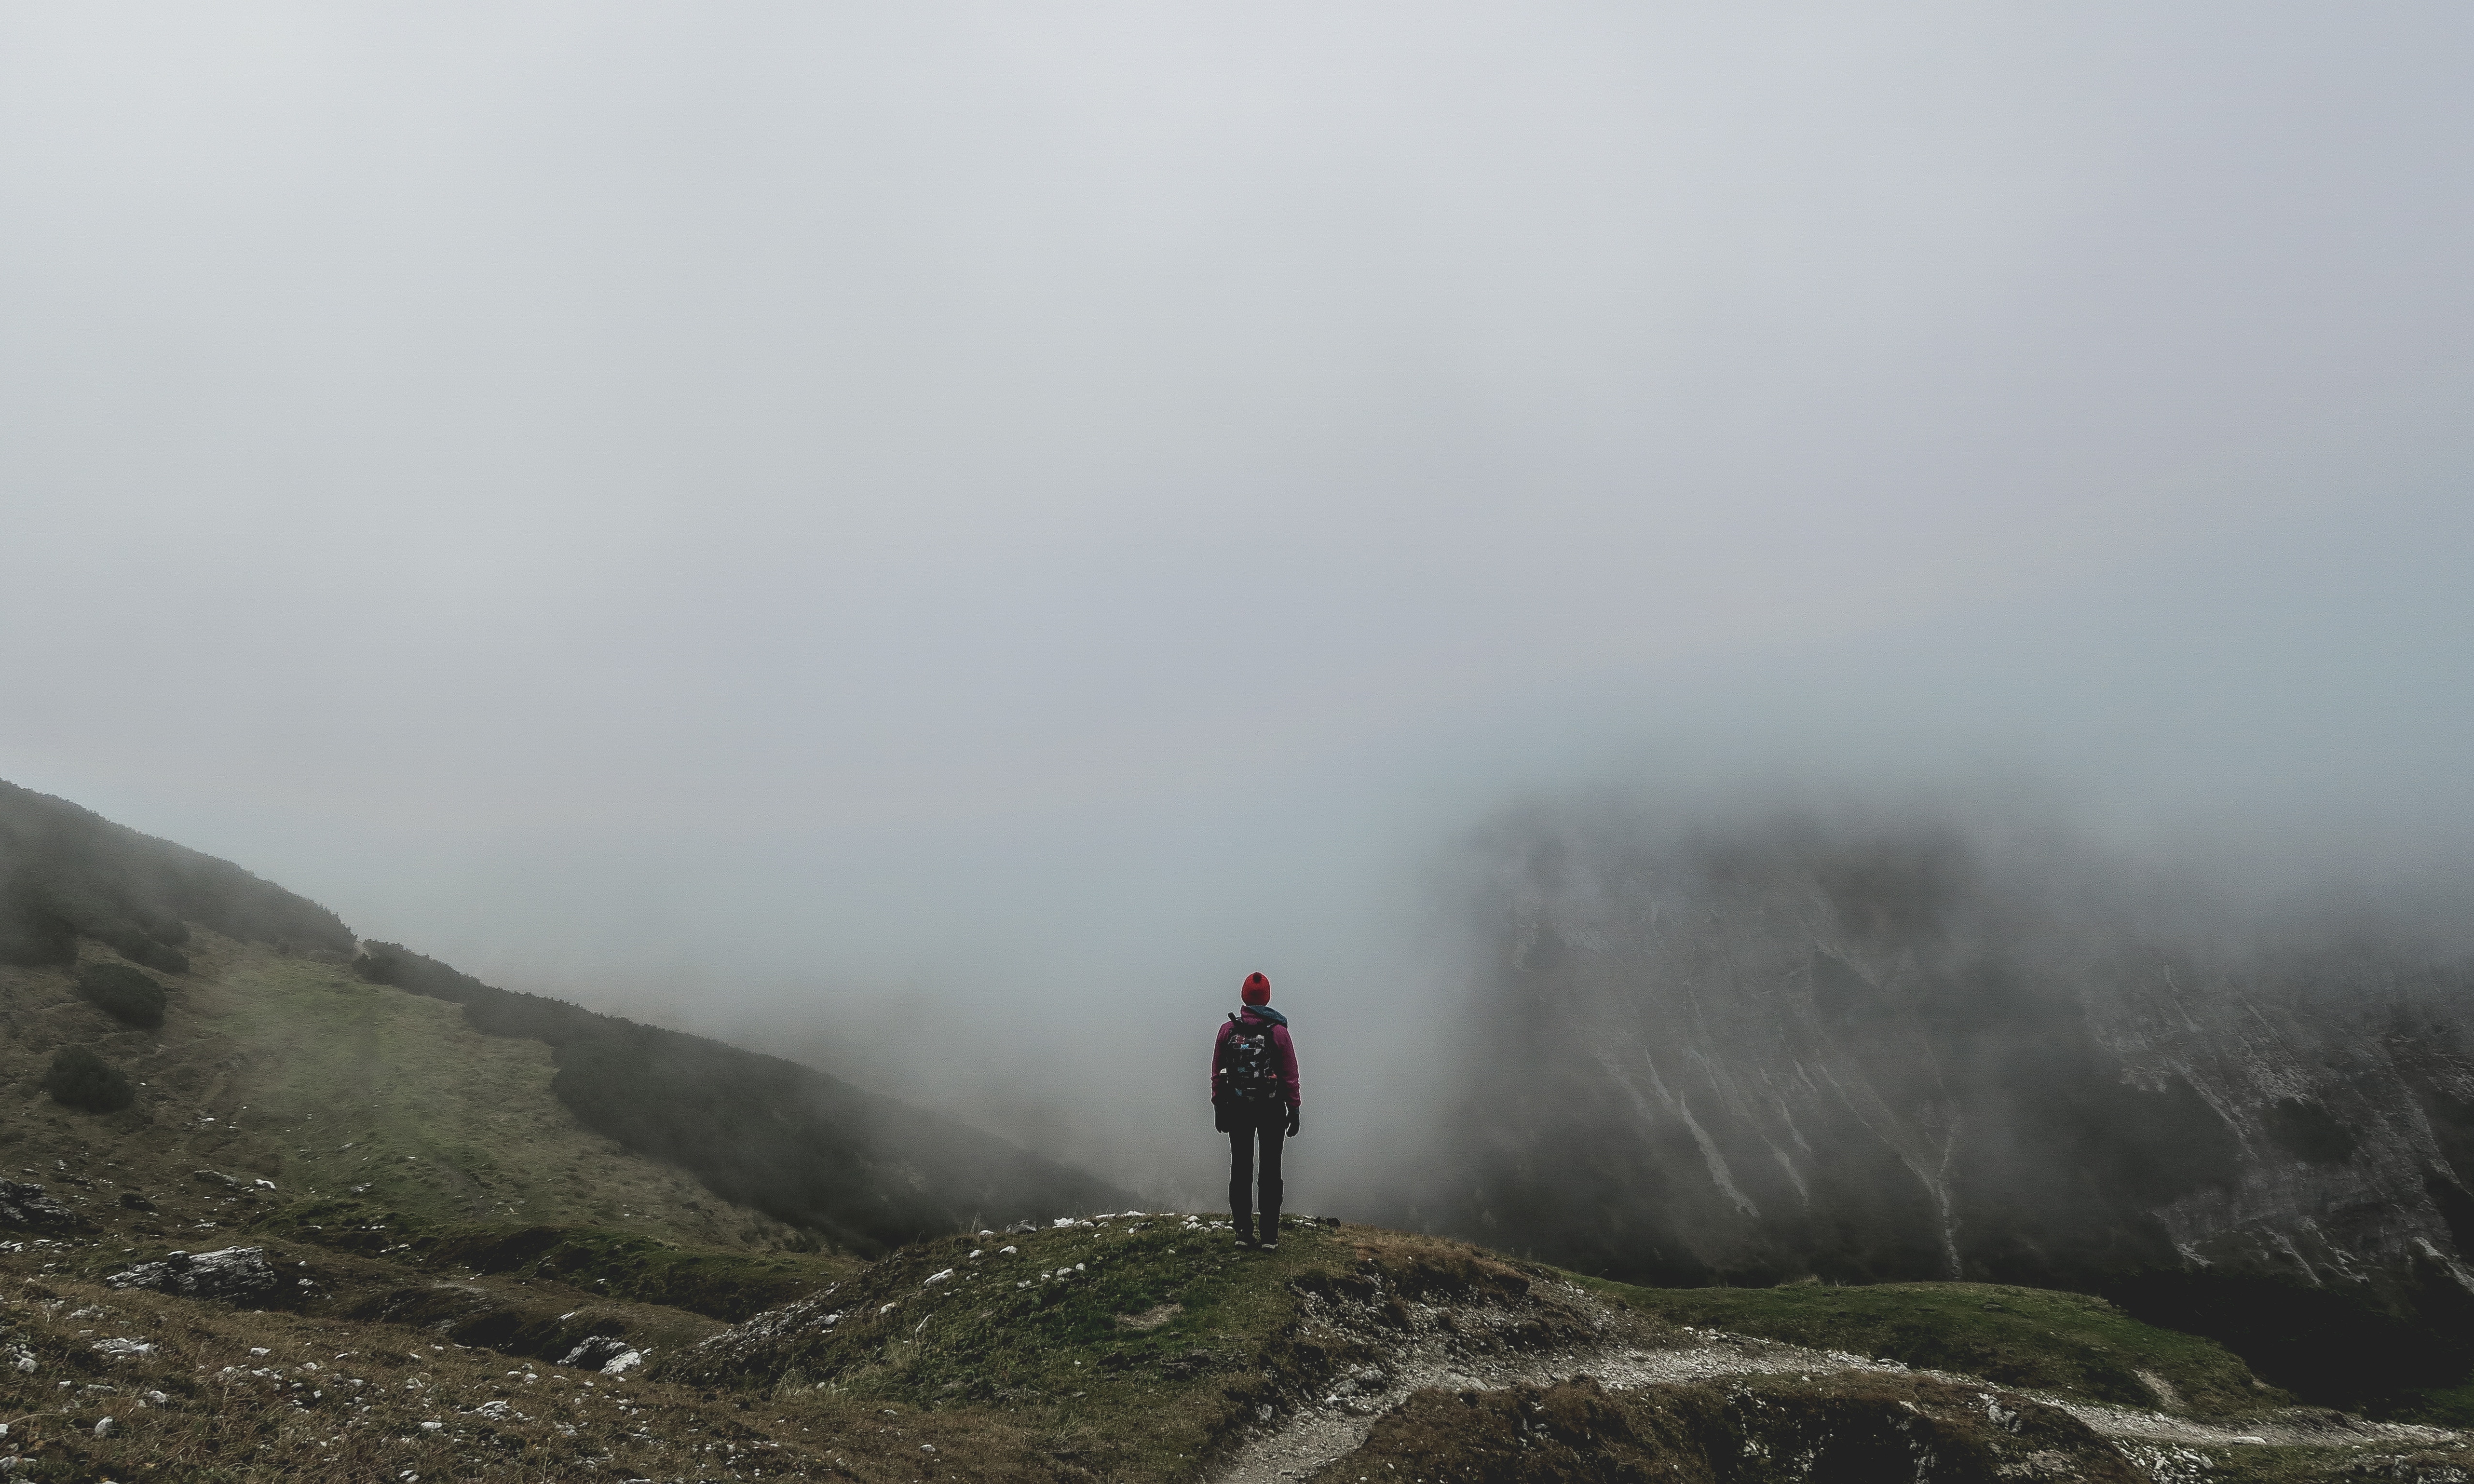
x=80 y=1079
x=140 y=948
x=30 y=934
x=123 y=993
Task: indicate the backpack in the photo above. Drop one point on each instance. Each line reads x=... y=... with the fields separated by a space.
x=1249 y=1063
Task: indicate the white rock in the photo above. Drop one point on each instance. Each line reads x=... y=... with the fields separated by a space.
x=232 y=1273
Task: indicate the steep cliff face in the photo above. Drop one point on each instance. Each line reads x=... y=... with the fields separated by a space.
x=1875 y=1056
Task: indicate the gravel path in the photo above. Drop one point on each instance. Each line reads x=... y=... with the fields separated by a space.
x=1316 y=1435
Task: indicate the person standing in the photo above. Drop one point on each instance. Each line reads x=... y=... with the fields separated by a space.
x=1254 y=1102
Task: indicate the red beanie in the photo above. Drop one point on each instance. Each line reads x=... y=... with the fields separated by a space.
x=1257 y=991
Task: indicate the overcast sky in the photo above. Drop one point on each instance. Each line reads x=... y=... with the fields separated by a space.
x=815 y=521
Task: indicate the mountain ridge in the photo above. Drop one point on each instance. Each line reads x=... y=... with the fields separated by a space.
x=1865 y=1053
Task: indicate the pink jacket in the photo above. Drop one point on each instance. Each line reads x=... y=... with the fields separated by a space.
x=1279 y=1038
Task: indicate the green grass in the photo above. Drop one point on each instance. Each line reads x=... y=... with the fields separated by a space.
x=723 y=1283
x=2069 y=1343
x=269 y=1065
x=2440 y=1406
x=444 y=1125
x=1138 y=1365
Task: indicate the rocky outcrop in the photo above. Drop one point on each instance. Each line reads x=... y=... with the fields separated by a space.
x=232 y=1273
x=604 y=1354
x=28 y=1205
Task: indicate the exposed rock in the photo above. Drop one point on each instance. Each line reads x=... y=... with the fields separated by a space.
x=231 y=1273
x=27 y=1205
x=136 y=1202
x=1151 y=1318
x=595 y=1351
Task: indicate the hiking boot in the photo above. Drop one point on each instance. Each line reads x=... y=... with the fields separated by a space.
x=1269 y=1246
x=1245 y=1241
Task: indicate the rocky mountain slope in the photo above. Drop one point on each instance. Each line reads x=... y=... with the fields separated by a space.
x=1868 y=1055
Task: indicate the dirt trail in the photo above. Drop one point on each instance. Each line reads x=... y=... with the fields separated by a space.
x=1435 y=1356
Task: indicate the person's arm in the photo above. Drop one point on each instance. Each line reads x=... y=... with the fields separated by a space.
x=1288 y=1063
x=1214 y=1060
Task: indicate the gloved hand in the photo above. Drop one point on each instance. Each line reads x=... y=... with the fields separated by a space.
x=1293 y=1120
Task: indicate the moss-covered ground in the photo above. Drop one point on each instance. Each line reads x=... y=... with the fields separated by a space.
x=1133 y=1346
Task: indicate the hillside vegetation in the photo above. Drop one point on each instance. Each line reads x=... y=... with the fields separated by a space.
x=287 y=1079
x=68 y=873
x=863 y=1171
x=270 y=1041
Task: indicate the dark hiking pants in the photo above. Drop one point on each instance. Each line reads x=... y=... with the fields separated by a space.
x=1271 y=1134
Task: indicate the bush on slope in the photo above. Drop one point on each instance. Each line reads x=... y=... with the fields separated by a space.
x=82 y=1080
x=122 y=992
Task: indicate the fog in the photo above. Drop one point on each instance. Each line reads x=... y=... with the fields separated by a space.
x=1940 y=1037
x=936 y=539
